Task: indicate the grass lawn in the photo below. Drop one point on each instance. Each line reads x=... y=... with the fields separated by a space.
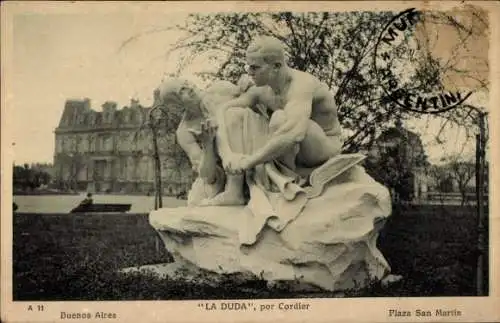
x=76 y=257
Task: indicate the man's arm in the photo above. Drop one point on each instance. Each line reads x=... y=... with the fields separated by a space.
x=298 y=113
x=245 y=100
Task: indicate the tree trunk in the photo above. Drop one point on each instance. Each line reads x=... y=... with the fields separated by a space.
x=463 y=193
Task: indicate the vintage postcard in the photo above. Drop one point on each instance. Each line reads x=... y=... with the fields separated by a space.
x=250 y=161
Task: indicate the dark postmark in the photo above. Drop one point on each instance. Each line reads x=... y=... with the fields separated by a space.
x=397 y=64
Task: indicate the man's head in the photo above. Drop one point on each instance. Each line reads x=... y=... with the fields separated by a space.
x=265 y=59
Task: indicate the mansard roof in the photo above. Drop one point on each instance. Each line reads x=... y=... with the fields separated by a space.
x=79 y=115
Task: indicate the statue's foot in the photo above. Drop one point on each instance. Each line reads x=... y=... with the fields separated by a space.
x=224 y=198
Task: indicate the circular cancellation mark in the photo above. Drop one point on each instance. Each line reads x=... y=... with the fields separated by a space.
x=388 y=50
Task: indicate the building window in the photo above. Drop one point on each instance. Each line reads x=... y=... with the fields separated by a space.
x=84 y=145
x=59 y=144
x=108 y=145
x=92 y=143
x=144 y=167
x=105 y=143
x=123 y=168
x=67 y=144
x=81 y=119
x=77 y=143
x=151 y=169
x=130 y=168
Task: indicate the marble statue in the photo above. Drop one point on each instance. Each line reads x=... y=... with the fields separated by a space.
x=275 y=198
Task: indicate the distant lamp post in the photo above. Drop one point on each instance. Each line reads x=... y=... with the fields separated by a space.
x=482 y=216
x=151 y=121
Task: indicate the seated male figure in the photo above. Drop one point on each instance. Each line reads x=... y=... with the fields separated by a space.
x=304 y=127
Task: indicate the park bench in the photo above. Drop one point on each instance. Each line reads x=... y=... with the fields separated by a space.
x=101 y=208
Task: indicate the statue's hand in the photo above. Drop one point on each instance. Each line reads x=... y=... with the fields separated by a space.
x=195 y=165
x=236 y=163
x=229 y=162
x=208 y=131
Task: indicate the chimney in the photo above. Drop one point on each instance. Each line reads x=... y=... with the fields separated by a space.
x=109 y=109
x=156 y=96
x=134 y=103
x=109 y=106
x=86 y=104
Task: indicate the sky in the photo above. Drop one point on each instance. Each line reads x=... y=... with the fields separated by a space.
x=75 y=56
x=61 y=56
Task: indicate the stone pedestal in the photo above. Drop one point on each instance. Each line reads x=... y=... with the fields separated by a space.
x=330 y=245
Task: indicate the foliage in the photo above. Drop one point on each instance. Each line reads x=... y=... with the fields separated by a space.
x=337 y=48
x=461 y=172
x=31 y=177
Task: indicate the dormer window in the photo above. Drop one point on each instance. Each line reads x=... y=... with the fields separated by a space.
x=126 y=117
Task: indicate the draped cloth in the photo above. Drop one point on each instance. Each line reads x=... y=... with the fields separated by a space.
x=327 y=241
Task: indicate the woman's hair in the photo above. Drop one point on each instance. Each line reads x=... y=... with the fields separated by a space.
x=171 y=88
x=169 y=93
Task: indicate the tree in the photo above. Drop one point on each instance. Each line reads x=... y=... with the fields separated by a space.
x=25 y=177
x=21 y=177
x=337 y=48
x=462 y=172
x=455 y=171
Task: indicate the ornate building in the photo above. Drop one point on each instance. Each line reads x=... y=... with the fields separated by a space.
x=107 y=152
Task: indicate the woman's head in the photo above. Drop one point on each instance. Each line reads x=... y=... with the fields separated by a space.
x=180 y=92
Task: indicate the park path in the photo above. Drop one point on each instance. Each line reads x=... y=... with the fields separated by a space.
x=65 y=203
